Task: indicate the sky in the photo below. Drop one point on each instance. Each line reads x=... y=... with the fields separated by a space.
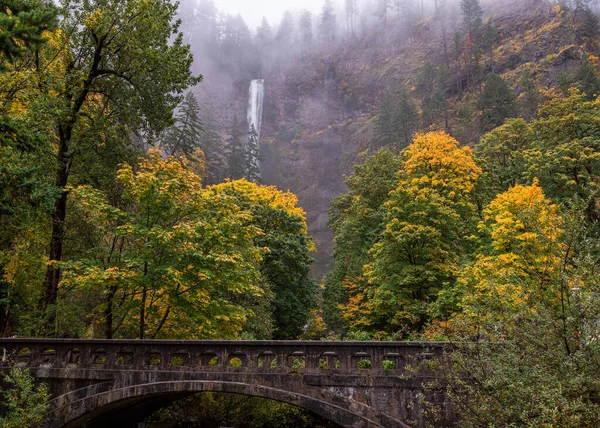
x=253 y=10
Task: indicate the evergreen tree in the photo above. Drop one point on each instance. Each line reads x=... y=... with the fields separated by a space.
x=564 y=83
x=328 y=23
x=407 y=119
x=285 y=34
x=183 y=138
x=264 y=42
x=472 y=14
x=488 y=39
x=385 y=122
x=497 y=103
x=396 y=121
x=306 y=32
x=22 y=23
x=213 y=146
x=351 y=7
x=591 y=26
x=236 y=158
x=531 y=96
x=382 y=9
x=252 y=156
x=587 y=79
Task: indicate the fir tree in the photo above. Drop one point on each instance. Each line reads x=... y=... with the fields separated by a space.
x=183 y=138
x=564 y=83
x=488 y=39
x=472 y=14
x=397 y=120
x=328 y=23
x=213 y=146
x=306 y=32
x=236 y=158
x=285 y=33
x=23 y=23
x=385 y=122
x=407 y=119
x=252 y=156
x=497 y=103
x=590 y=27
x=531 y=96
x=587 y=79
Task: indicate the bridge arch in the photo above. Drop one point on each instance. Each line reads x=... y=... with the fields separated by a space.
x=89 y=407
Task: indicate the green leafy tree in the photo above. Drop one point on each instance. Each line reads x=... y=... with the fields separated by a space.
x=120 y=66
x=533 y=292
x=285 y=265
x=497 y=103
x=23 y=402
x=170 y=263
x=501 y=155
x=564 y=152
x=430 y=215
x=357 y=219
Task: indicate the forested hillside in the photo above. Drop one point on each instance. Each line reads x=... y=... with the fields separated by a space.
x=363 y=75
x=166 y=171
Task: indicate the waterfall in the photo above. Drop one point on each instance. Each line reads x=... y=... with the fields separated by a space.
x=255 y=104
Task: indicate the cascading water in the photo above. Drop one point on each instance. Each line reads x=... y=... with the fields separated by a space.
x=255 y=104
x=255 y=107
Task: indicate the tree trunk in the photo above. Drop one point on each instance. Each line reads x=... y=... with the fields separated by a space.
x=65 y=134
x=58 y=231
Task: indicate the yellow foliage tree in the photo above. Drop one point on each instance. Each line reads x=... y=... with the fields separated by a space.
x=430 y=217
x=524 y=261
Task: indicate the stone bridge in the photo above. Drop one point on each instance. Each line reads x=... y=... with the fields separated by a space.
x=96 y=383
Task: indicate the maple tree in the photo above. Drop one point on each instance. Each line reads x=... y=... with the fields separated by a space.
x=430 y=216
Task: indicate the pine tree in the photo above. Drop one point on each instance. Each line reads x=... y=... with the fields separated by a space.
x=236 y=158
x=497 y=103
x=285 y=33
x=183 y=138
x=396 y=121
x=531 y=96
x=587 y=79
x=590 y=27
x=472 y=14
x=328 y=23
x=23 y=23
x=488 y=39
x=306 y=32
x=385 y=122
x=264 y=42
x=213 y=146
x=407 y=119
x=252 y=156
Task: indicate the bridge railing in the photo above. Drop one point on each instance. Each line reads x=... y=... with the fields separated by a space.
x=262 y=356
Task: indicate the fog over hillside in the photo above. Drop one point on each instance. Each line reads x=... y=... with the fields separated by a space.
x=326 y=70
